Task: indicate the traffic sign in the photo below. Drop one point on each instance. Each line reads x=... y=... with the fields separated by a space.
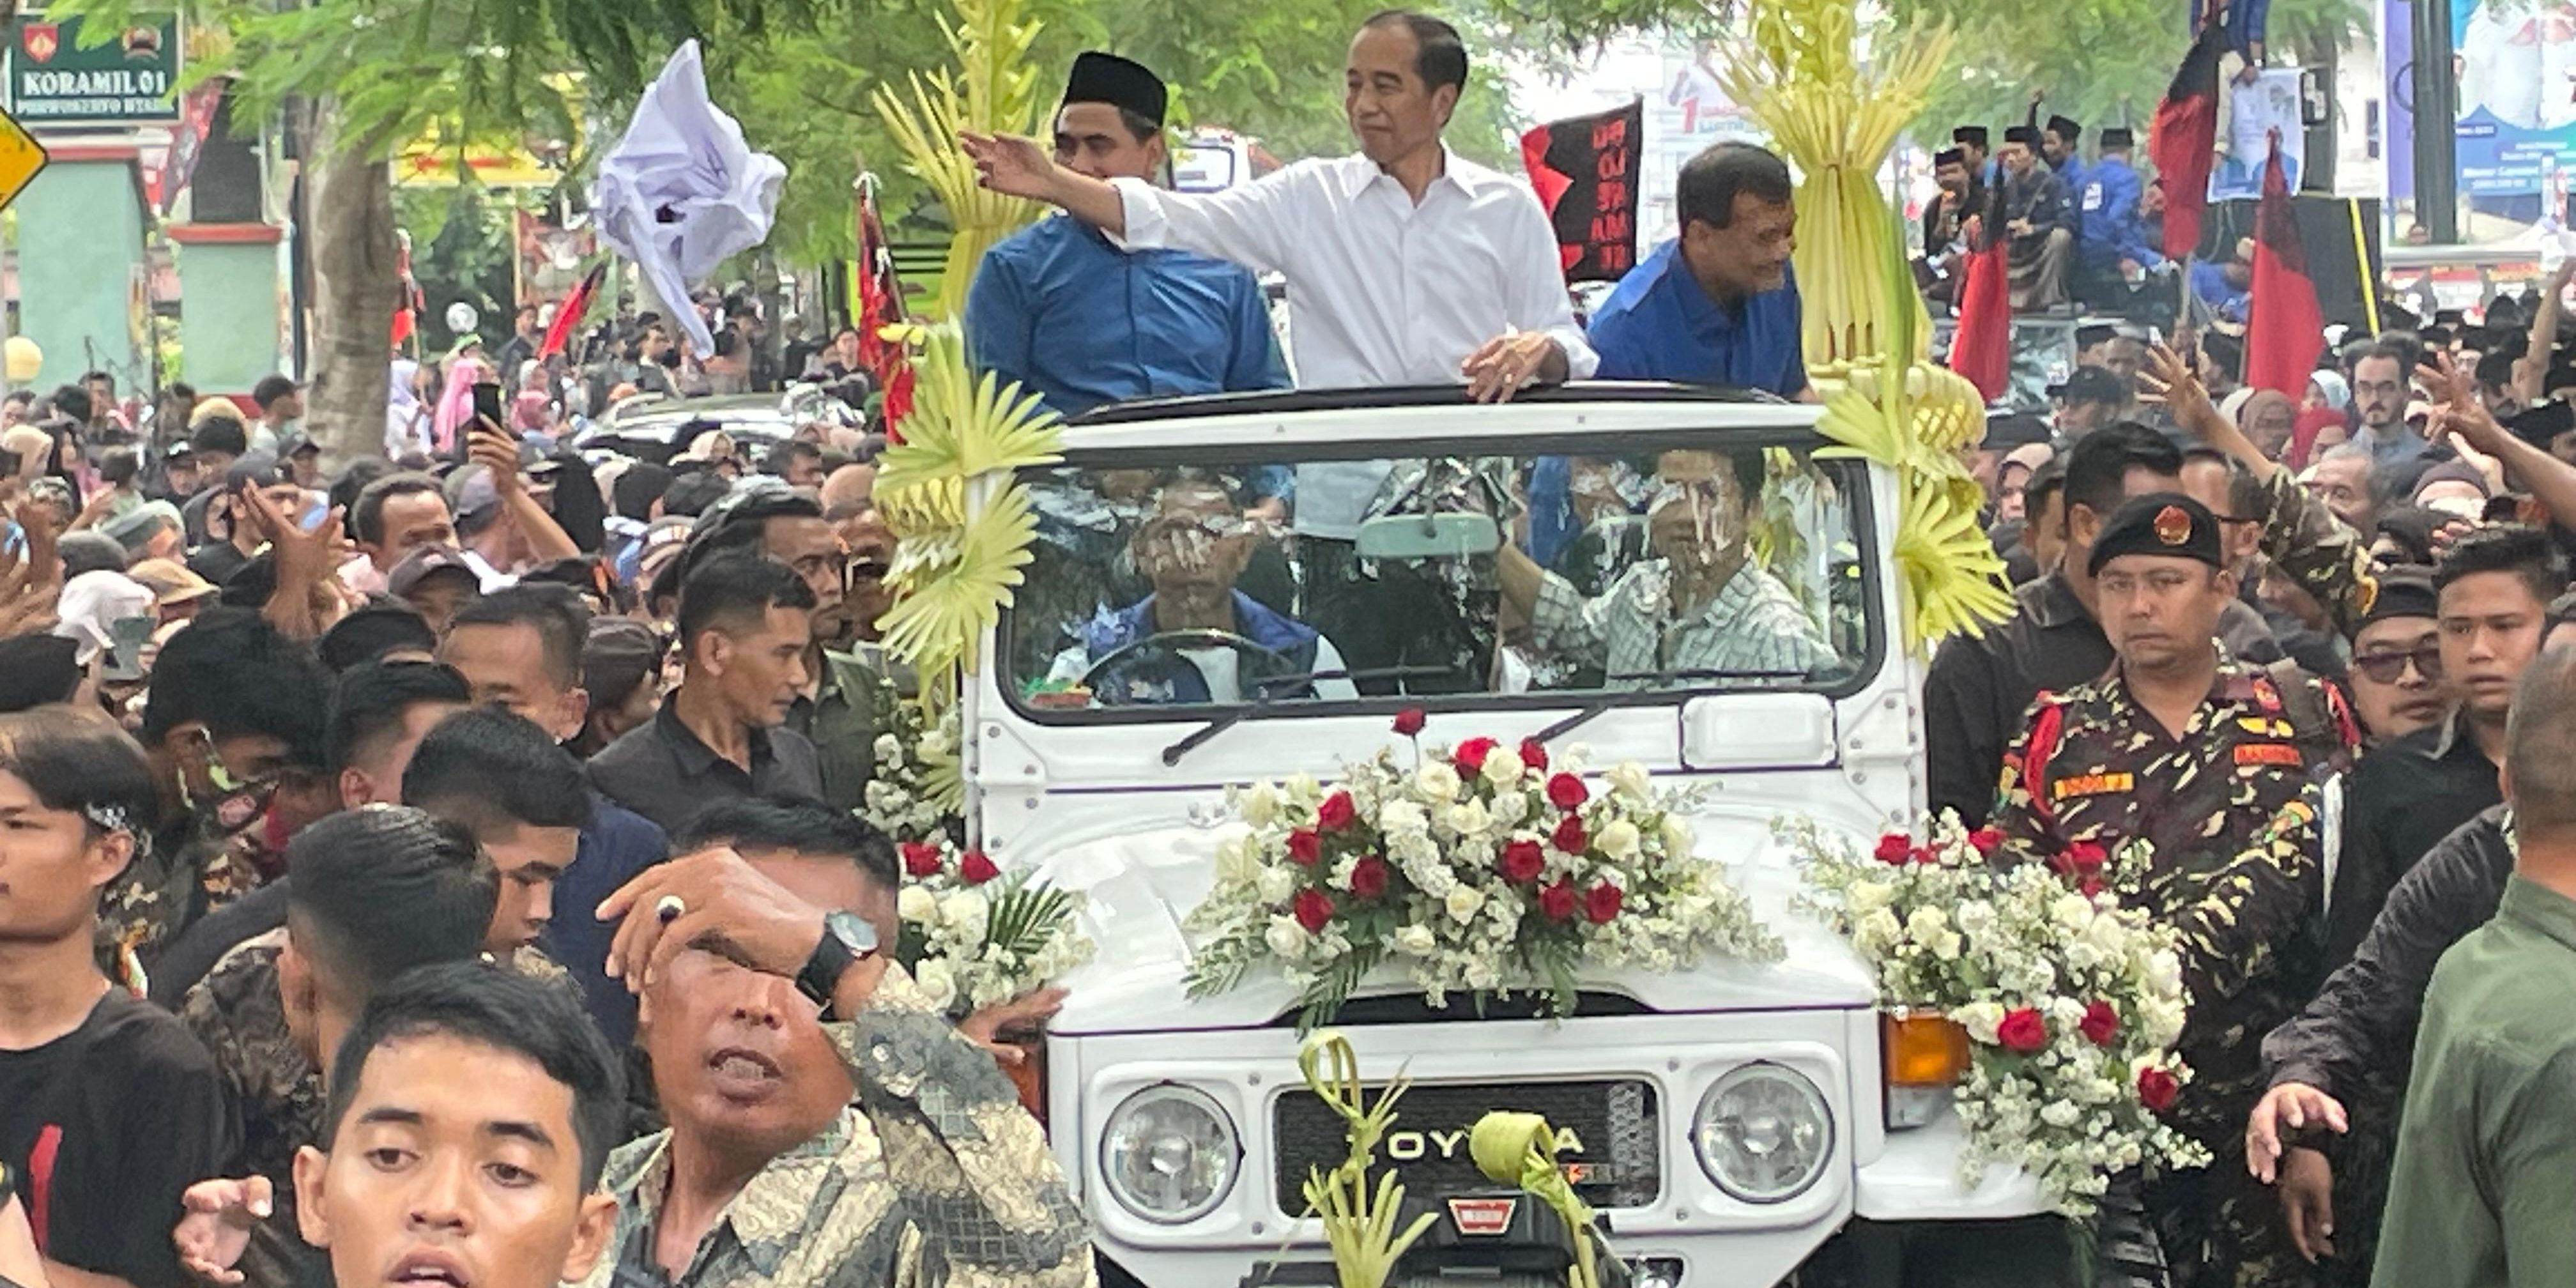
x=21 y=158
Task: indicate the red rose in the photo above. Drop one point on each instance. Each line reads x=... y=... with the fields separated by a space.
x=1927 y=856
x=1601 y=903
x=2022 y=1031
x=977 y=869
x=1368 y=877
x=2100 y=1024
x=2083 y=858
x=1523 y=861
x=1304 y=846
x=1314 y=910
x=1895 y=847
x=1565 y=791
x=1986 y=839
x=1569 y=835
x=1408 y=722
x=2157 y=1089
x=921 y=859
x=1534 y=755
x=1470 y=755
x=1556 y=901
x=1335 y=813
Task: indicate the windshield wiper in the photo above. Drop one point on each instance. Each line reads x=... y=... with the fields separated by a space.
x=1262 y=701
x=1593 y=710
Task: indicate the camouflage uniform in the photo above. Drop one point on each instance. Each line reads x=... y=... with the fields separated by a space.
x=2228 y=810
x=2331 y=562
x=237 y=1012
x=936 y=1177
x=165 y=891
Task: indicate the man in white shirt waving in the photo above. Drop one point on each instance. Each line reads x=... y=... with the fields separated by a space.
x=1406 y=264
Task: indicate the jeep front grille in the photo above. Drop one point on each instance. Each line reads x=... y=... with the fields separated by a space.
x=1619 y=1164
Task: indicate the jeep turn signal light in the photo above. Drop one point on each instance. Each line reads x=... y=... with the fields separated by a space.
x=1923 y=1057
x=1922 y=1050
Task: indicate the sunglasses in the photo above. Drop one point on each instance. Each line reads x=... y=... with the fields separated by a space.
x=2386 y=667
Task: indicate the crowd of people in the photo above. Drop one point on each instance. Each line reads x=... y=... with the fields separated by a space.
x=447 y=868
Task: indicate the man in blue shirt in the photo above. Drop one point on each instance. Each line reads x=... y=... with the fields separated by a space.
x=1080 y=322
x=1716 y=305
x=2113 y=238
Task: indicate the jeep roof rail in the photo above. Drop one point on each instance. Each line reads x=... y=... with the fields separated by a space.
x=1293 y=400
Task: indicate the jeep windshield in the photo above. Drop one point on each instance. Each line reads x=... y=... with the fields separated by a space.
x=1530 y=567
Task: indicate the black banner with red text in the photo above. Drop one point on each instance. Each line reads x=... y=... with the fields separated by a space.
x=1584 y=169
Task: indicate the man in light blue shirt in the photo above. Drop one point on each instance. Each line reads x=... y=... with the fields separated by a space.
x=1080 y=322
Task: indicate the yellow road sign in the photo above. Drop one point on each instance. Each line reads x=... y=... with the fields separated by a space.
x=21 y=158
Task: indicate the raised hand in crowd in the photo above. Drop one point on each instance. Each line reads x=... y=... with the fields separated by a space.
x=26 y=600
x=497 y=450
x=2462 y=421
x=2168 y=378
x=307 y=600
x=215 y=1229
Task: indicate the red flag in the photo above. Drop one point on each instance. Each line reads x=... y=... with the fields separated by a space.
x=569 y=313
x=1981 y=348
x=2285 y=330
x=2185 y=132
x=881 y=306
x=408 y=307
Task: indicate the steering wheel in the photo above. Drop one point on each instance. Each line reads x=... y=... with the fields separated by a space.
x=1171 y=643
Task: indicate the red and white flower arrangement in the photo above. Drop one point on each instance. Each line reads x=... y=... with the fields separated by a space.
x=1483 y=869
x=974 y=935
x=2071 y=1001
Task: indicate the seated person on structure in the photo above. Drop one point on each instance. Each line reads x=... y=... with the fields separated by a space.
x=1197 y=638
x=1701 y=607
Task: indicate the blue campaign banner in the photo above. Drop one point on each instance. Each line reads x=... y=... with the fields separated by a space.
x=2515 y=62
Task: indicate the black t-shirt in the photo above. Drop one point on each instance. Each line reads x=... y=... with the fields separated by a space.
x=218 y=561
x=102 y=1130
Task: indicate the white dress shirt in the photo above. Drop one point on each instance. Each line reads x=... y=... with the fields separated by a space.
x=1381 y=290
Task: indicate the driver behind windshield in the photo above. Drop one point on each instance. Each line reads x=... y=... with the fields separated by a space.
x=1701 y=605
x=1196 y=638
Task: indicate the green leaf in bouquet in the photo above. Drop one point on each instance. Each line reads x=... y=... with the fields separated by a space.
x=1335 y=986
x=1026 y=914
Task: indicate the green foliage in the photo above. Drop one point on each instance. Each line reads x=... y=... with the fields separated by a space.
x=463 y=248
x=2102 y=62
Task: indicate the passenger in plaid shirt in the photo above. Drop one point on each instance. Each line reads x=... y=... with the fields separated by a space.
x=1702 y=604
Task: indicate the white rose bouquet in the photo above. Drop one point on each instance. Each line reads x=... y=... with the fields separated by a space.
x=1482 y=869
x=2071 y=1001
x=973 y=935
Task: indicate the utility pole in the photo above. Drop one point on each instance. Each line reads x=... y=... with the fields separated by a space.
x=2436 y=115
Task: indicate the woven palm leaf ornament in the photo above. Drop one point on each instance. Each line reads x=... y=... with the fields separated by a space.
x=948 y=490
x=1866 y=336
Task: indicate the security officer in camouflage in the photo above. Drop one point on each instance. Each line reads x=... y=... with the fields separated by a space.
x=2215 y=765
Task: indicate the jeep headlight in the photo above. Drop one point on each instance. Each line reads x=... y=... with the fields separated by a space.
x=1763 y=1133
x=1169 y=1154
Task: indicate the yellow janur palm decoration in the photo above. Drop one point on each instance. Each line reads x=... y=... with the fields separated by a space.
x=957 y=562
x=1867 y=338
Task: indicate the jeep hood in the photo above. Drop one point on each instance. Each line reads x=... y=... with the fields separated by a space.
x=1143 y=880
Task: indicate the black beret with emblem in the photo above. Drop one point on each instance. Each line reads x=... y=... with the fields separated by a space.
x=1119 y=82
x=2404 y=591
x=2159 y=523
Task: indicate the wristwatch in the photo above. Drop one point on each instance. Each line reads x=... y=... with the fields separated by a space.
x=846 y=942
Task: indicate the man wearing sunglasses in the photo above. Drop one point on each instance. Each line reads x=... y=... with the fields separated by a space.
x=2395 y=674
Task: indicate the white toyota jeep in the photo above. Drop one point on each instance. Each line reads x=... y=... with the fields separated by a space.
x=1509 y=571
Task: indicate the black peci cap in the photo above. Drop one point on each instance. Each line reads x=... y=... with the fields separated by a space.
x=1971 y=135
x=1949 y=156
x=2118 y=136
x=2065 y=127
x=2159 y=523
x=2023 y=135
x=1122 y=83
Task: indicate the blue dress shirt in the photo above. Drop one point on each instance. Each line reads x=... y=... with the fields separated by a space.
x=615 y=845
x=1079 y=322
x=1660 y=324
x=2112 y=228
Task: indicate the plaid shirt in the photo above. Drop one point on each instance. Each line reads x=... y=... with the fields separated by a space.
x=1753 y=624
x=937 y=1177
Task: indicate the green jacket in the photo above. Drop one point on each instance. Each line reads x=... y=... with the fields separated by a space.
x=843 y=720
x=2486 y=1150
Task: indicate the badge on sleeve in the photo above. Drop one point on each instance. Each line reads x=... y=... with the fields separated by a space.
x=2269 y=753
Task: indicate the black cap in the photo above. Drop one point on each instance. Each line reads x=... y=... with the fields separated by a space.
x=1949 y=156
x=2091 y=384
x=2064 y=127
x=620 y=654
x=2118 y=136
x=1122 y=83
x=2021 y=134
x=2003 y=433
x=422 y=564
x=1972 y=135
x=2159 y=523
x=37 y=670
x=2404 y=591
x=2539 y=425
